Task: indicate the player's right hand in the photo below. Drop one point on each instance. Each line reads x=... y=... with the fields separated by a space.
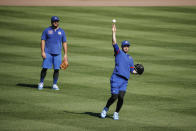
x=43 y=55
x=113 y=28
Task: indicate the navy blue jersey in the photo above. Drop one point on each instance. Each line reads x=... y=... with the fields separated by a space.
x=123 y=63
x=54 y=40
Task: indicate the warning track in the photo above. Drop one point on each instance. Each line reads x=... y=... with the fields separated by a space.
x=97 y=3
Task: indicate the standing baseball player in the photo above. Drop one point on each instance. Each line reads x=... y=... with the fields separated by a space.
x=119 y=79
x=52 y=40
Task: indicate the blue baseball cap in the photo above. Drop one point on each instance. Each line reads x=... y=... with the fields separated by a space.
x=55 y=18
x=125 y=43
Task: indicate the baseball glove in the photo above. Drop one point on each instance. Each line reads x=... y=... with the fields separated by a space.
x=64 y=65
x=139 y=68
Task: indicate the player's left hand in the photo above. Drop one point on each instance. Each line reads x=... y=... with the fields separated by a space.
x=139 y=68
x=64 y=65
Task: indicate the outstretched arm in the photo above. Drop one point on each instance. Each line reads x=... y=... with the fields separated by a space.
x=113 y=34
x=114 y=43
x=134 y=72
x=132 y=67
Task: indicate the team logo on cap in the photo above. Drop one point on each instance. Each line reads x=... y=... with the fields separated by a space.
x=126 y=42
x=50 y=32
x=59 y=33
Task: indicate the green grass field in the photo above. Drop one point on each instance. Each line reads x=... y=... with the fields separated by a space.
x=162 y=99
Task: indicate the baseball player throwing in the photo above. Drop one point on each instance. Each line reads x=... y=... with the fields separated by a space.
x=52 y=40
x=119 y=79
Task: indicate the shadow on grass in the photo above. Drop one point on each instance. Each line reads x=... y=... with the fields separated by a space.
x=93 y=114
x=30 y=85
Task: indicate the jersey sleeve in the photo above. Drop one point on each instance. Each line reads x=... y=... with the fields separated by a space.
x=116 y=49
x=64 y=39
x=131 y=65
x=44 y=35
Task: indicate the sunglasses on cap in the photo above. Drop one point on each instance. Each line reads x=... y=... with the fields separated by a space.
x=55 y=21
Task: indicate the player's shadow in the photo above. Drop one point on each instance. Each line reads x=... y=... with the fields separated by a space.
x=88 y=113
x=30 y=85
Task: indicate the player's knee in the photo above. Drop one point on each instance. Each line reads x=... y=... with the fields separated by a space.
x=121 y=95
x=56 y=70
x=44 y=69
x=114 y=96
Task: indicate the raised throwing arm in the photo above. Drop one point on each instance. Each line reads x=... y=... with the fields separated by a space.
x=113 y=34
